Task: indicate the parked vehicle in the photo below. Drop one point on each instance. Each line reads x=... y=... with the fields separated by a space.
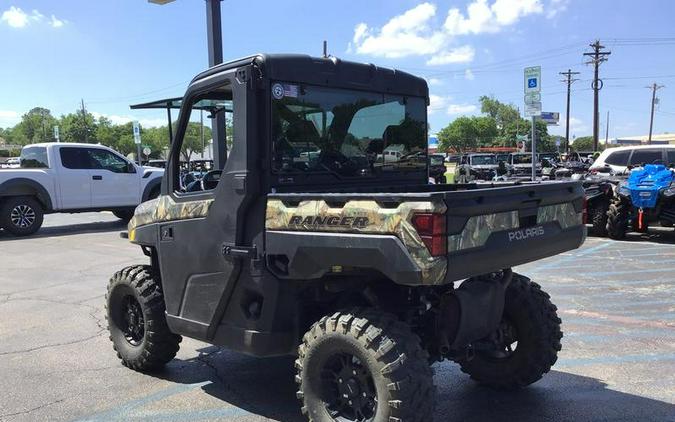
x=11 y=163
x=521 y=164
x=156 y=163
x=363 y=266
x=70 y=177
x=476 y=167
x=622 y=159
x=437 y=168
x=647 y=197
x=599 y=190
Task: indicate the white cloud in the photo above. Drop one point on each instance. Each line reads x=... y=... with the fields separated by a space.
x=463 y=54
x=9 y=118
x=468 y=75
x=120 y=120
x=15 y=17
x=416 y=32
x=482 y=17
x=437 y=103
x=435 y=81
x=56 y=23
x=555 y=7
x=461 y=108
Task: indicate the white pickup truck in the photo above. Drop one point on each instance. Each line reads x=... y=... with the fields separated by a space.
x=71 y=177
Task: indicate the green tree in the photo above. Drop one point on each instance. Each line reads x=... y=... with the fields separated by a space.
x=192 y=141
x=583 y=143
x=78 y=127
x=466 y=133
x=35 y=126
x=502 y=114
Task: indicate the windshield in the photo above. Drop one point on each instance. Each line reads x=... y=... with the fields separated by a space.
x=346 y=133
x=522 y=158
x=436 y=160
x=479 y=160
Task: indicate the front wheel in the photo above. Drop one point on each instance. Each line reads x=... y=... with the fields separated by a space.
x=597 y=213
x=363 y=365
x=124 y=215
x=136 y=321
x=525 y=345
x=618 y=218
x=21 y=215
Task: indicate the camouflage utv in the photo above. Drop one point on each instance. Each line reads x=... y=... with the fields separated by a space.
x=311 y=241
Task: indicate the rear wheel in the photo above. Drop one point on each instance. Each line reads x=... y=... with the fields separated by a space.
x=21 y=215
x=136 y=321
x=598 y=216
x=125 y=215
x=526 y=344
x=618 y=217
x=363 y=365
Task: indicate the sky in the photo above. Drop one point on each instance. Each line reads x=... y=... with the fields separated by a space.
x=115 y=53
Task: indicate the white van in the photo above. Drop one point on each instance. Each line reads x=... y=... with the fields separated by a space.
x=621 y=157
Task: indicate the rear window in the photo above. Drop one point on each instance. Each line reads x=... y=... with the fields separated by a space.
x=34 y=157
x=618 y=158
x=646 y=156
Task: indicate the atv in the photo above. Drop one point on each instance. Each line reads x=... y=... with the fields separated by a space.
x=343 y=258
x=647 y=197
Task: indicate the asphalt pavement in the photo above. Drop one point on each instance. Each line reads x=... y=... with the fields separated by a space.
x=616 y=299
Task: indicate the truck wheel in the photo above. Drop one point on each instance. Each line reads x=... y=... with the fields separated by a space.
x=617 y=219
x=124 y=215
x=135 y=314
x=527 y=341
x=21 y=215
x=363 y=365
x=598 y=216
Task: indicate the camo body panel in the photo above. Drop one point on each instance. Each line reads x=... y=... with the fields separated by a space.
x=381 y=220
x=164 y=208
x=480 y=227
x=564 y=214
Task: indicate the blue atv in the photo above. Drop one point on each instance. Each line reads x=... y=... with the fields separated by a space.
x=647 y=197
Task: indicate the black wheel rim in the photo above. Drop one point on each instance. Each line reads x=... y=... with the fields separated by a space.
x=132 y=321
x=22 y=216
x=349 y=390
x=505 y=341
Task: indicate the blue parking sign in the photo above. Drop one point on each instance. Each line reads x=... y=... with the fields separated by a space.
x=532 y=83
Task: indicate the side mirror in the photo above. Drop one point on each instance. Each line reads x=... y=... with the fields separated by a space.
x=131 y=168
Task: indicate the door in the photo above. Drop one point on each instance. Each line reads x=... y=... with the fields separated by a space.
x=74 y=178
x=114 y=180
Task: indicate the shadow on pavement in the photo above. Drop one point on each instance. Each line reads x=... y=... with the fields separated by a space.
x=266 y=387
x=69 y=229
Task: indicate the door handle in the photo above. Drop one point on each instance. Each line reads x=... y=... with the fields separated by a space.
x=97 y=177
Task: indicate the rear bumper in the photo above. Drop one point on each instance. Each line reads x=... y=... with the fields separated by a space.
x=508 y=248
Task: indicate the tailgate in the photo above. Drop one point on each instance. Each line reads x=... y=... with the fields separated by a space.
x=498 y=228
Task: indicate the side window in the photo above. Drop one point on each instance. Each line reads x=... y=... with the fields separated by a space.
x=106 y=160
x=74 y=158
x=646 y=156
x=197 y=171
x=34 y=157
x=671 y=156
x=618 y=158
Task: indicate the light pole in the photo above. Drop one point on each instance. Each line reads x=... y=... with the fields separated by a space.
x=214 y=36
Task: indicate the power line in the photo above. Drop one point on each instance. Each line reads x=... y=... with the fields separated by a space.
x=597 y=56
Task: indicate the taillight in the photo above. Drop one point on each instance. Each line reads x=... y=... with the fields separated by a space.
x=432 y=230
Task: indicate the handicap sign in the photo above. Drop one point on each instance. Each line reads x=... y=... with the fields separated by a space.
x=532 y=83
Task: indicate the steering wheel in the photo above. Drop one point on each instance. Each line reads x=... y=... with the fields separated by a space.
x=210 y=179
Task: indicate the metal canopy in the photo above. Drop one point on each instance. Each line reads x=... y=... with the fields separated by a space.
x=169 y=103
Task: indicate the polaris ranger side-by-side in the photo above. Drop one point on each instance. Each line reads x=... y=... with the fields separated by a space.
x=312 y=243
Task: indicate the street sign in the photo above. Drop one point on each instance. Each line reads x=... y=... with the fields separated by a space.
x=532 y=97
x=146 y=151
x=56 y=134
x=532 y=79
x=549 y=117
x=137 y=133
x=533 y=109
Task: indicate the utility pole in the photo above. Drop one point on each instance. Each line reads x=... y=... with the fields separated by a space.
x=84 y=121
x=568 y=80
x=607 y=130
x=654 y=88
x=597 y=56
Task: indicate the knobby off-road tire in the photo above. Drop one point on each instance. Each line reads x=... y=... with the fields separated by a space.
x=124 y=215
x=598 y=218
x=387 y=373
x=530 y=319
x=21 y=215
x=618 y=219
x=135 y=314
